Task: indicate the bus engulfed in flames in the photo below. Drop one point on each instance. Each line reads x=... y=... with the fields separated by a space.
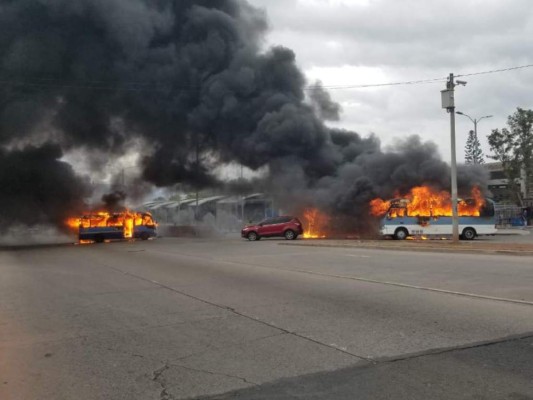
x=104 y=226
x=425 y=211
x=424 y=201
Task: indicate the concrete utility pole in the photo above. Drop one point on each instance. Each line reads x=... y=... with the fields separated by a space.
x=448 y=102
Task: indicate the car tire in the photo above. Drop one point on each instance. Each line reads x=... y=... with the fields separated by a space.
x=99 y=239
x=252 y=236
x=290 y=234
x=144 y=236
x=468 y=234
x=401 y=234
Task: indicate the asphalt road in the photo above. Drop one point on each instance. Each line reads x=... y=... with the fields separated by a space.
x=181 y=318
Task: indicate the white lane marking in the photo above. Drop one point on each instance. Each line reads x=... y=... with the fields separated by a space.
x=355 y=278
x=429 y=289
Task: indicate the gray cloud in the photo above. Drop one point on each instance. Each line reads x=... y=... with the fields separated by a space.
x=420 y=32
x=412 y=40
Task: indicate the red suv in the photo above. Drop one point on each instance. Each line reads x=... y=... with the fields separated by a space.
x=287 y=227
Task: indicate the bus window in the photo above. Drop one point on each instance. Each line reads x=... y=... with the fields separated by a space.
x=399 y=212
x=487 y=210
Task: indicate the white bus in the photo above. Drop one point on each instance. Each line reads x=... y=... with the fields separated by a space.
x=399 y=225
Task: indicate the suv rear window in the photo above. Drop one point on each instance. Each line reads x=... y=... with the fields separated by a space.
x=270 y=221
x=278 y=220
x=286 y=219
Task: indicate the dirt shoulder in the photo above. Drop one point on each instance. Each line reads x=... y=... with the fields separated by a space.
x=521 y=249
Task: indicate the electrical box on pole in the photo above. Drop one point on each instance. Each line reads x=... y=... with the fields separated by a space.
x=448 y=100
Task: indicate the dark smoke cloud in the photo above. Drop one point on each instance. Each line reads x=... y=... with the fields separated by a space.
x=37 y=188
x=114 y=201
x=324 y=106
x=186 y=81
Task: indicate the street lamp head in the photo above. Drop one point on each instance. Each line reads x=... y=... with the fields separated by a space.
x=461 y=83
x=459 y=112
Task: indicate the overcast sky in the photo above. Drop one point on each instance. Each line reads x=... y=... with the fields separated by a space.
x=352 y=42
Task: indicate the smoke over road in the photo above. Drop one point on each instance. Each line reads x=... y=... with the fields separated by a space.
x=184 y=83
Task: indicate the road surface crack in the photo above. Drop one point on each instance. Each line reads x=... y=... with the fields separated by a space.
x=157 y=377
x=234 y=311
x=248 y=382
x=211 y=348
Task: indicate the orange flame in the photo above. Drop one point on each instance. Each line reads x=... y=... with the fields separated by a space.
x=128 y=223
x=73 y=223
x=423 y=201
x=379 y=207
x=316 y=222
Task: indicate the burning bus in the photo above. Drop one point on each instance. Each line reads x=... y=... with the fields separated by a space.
x=427 y=212
x=99 y=227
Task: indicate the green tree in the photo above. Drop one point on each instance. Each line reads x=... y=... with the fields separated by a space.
x=513 y=148
x=473 y=152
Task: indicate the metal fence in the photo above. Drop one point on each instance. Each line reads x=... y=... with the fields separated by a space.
x=510 y=216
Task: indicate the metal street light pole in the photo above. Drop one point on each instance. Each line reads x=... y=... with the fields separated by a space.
x=242 y=195
x=197 y=167
x=474 y=120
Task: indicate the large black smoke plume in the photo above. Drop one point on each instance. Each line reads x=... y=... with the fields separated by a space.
x=187 y=81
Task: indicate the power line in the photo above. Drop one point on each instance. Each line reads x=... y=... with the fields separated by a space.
x=494 y=71
x=425 y=81
x=86 y=85
x=91 y=87
x=151 y=87
x=419 y=82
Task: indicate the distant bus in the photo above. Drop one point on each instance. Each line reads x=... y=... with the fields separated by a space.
x=399 y=225
x=102 y=226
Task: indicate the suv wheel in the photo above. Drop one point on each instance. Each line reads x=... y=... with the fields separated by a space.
x=289 y=234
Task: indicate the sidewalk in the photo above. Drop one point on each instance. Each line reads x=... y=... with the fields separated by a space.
x=514 y=231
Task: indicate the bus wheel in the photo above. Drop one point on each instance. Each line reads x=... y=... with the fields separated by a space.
x=401 y=234
x=99 y=239
x=468 y=234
